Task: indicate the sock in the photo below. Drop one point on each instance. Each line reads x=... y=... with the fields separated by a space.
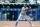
x=16 y=23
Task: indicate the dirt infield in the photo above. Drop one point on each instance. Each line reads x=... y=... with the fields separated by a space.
x=20 y=24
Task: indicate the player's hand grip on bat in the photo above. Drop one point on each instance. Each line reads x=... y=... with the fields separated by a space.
x=30 y=7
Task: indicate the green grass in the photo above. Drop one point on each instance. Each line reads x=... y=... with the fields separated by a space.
x=1 y=23
x=39 y=23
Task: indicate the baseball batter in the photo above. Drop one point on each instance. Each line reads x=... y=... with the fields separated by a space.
x=23 y=15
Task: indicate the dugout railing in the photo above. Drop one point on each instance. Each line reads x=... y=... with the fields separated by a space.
x=18 y=10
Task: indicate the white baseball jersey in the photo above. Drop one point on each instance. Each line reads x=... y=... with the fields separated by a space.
x=23 y=10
